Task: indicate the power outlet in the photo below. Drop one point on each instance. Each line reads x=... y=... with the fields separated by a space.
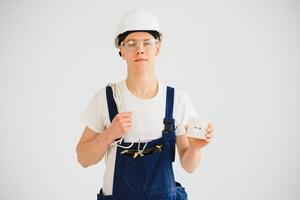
x=197 y=128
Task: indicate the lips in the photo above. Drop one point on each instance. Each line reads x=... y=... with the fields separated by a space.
x=140 y=60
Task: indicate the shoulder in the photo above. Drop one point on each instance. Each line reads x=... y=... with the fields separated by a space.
x=101 y=92
x=179 y=95
x=181 y=98
x=99 y=97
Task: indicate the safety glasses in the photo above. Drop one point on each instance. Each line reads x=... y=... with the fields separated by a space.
x=134 y=44
x=140 y=153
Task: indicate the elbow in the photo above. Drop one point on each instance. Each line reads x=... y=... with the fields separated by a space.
x=190 y=171
x=80 y=160
x=86 y=160
x=188 y=167
x=82 y=163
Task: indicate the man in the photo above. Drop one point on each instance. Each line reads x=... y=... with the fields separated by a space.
x=137 y=122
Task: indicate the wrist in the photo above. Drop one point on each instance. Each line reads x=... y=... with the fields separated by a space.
x=108 y=136
x=194 y=148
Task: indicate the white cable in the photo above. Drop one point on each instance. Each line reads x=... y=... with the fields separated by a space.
x=140 y=151
x=117 y=97
x=120 y=108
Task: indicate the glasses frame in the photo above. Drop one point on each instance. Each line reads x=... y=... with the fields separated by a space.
x=138 y=153
x=138 y=42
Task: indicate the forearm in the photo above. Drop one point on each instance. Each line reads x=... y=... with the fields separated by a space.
x=191 y=159
x=90 y=153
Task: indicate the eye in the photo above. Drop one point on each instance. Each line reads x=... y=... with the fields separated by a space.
x=147 y=43
x=131 y=43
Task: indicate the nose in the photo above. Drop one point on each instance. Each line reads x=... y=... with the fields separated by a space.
x=140 y=48
x=140 y=52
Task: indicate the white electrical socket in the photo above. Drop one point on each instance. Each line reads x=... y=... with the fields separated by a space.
x=197 y=128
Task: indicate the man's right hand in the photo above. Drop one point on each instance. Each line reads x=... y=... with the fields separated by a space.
x=120 y=125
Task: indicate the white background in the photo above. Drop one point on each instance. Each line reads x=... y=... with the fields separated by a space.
x=237 y=60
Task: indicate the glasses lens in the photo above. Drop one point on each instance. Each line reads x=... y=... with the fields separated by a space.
x=148 y=43
x=133 y=44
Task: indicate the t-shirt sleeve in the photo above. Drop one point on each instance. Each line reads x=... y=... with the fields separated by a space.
x=93 y=115
x=184 y=110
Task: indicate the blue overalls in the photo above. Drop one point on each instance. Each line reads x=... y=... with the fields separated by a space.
x=148 y=177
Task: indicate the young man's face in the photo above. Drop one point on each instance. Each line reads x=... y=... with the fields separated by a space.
x=139 y=50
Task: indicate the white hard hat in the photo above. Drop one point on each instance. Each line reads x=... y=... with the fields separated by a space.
x=137 y=20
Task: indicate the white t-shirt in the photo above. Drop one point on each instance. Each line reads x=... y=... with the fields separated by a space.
x=147 y=119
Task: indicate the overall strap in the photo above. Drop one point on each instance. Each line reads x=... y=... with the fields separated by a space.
x=112 y=107
x=169 y=124
x=168 y=120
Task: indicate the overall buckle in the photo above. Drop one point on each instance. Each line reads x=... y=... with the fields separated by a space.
x=169 y=125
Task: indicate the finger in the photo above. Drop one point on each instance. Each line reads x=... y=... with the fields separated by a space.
x=124 y=116
x=125 y=113
x=125 y=119
x=127 y=125
x=120 y=116
x=186 y=127
x=210 y=129
x=207 y=140
x=209 y=135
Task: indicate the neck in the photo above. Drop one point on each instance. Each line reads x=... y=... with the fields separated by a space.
x=143 y=86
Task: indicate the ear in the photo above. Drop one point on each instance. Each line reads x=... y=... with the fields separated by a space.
x=157 y=50
x=121 y=53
